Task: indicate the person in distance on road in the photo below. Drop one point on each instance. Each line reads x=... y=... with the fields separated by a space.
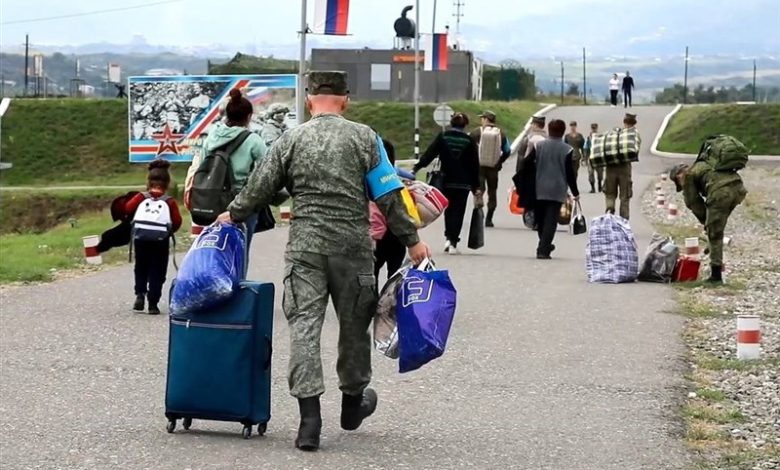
x=327 y=165
x=577 y=143
x=614 y=87
x=494 y=150
x=594 y=172
x=628 y=87
x=459 y=156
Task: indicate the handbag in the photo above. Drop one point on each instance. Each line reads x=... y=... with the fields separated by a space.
x=425 y=311
x=565 y=214
x=578 y=224
x=265 y=220
x=477 y=227
x=436 y=176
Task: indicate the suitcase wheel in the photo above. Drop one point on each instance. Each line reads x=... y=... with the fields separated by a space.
x=261 y=428
x=186 y=423
x=171 y=426
x=247 y=432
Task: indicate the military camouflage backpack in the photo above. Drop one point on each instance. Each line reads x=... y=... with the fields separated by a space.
x=723 y=153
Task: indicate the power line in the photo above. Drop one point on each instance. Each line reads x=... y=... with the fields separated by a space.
x=93 y=12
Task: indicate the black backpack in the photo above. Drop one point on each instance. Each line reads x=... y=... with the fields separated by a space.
x=214 y=184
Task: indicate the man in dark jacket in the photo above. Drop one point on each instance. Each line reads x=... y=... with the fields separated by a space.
x=549 y=164
x=712 y=196
x=628 y=87
x=459 y=158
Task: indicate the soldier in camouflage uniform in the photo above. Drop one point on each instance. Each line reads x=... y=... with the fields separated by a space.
x=274 y=125
x=712 y=196
x=577 y=143
x=617 y=179
x=324 y=165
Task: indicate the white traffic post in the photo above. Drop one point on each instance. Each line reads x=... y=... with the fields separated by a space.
x=91 y=253
x=692 y=248
x=673 y=212
x=748 y=337
x=285 y=214
x=660 y=201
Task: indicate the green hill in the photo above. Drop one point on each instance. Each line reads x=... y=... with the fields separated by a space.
x=755 y=125
x=84 y=142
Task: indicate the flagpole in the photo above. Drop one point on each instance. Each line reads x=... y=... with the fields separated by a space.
x=417 y=80
x=301 y=92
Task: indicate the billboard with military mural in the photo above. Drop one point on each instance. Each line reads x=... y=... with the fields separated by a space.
x=170 y=116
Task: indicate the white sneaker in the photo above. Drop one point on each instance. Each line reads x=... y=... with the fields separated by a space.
x=454 y=251
x=447 y=246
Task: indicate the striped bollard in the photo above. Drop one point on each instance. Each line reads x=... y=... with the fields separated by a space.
x=285 y=214
x=91 y=253
x=664 y=177
x=660 y=201
x=748 y=337
x=195 y=230
x=659 y=188
x=673 y=213
x=692 y=248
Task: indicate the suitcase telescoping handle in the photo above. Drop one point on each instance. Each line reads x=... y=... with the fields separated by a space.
x=268 y=341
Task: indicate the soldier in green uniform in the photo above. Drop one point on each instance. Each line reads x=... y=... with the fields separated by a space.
x=577 y=143
x=594 y=172
x=712 y=196
x=274 y=125
x=617 y=179
x=326 y=165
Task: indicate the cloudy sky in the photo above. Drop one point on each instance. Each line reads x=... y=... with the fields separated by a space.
x=513 y=27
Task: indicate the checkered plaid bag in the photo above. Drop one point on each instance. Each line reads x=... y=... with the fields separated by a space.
x=615 y=147
x=611 y=256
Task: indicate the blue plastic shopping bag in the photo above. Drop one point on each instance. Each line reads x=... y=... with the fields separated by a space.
x=211 y=271
x=425 y=310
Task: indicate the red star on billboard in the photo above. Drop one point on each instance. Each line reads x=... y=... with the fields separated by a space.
x=167 y=141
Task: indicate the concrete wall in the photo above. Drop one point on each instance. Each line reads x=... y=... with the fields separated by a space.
x=450 y=85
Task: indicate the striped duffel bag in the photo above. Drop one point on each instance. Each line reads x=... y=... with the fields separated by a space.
x=615 y=147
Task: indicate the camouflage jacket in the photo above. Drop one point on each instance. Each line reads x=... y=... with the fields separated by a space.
x=323 y=165
x=703 y=186
x=271 y=132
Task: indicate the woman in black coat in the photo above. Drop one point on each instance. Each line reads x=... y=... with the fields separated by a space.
x=459 y=156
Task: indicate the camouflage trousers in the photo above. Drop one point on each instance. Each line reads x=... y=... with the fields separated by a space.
x=311 y=279
x=617 y=181
x=719 y=208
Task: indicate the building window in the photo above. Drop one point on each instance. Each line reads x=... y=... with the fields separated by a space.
x=380 y=77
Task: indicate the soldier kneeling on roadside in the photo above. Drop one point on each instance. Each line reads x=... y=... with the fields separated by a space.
x=712 y=189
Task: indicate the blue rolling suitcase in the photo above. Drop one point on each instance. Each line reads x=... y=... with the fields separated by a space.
x=219 y=362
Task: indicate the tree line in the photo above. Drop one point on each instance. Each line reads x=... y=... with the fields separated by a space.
x=708 y=95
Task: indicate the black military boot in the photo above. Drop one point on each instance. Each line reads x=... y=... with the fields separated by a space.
x=138 y=306
x=489 y=219
x=354 y=409
x=308 y=439
x=717 y=275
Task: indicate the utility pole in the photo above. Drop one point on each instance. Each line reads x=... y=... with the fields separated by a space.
x=685 y=85
x=584 y=80
x=562 y=83
x=458 y=5
x=300 y=112
x=754 y=80
x=417 y=80
x=26 y=62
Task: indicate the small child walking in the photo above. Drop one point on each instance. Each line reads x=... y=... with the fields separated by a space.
x=156 y=218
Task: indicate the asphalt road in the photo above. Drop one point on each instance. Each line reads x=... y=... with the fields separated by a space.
x=543 y=370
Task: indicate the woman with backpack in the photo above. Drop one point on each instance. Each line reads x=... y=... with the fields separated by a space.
x=459 y=156
x=155 y=219
x=243 y=160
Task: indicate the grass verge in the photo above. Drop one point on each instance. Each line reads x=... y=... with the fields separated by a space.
x=755 y=125
x=31 y=257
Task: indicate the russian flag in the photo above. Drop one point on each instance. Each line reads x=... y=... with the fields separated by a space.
x=331 y=16
x=436 y=52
